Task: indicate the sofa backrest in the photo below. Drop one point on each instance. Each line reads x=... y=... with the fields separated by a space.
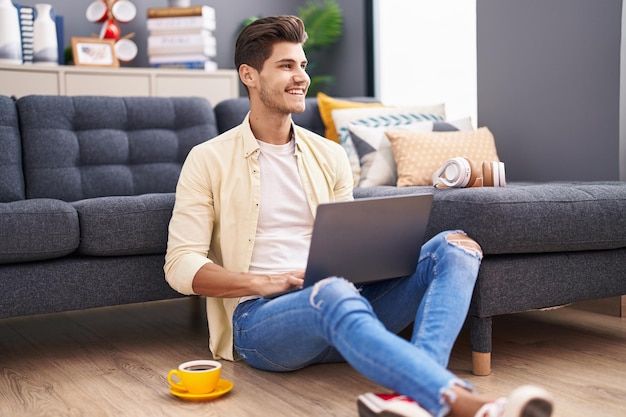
x=231 y=112
x=84 y=147
x=11 y=178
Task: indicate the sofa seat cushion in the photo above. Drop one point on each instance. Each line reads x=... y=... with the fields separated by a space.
x=529 y=217
x=37 y=229
x=126 y=225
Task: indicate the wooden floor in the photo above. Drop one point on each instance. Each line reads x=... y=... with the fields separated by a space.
x=114 y=362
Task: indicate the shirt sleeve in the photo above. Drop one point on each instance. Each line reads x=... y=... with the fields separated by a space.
x=191 y=225
x=345 y=181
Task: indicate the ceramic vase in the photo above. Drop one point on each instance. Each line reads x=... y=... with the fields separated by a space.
x=10 y=35
x=45 y=46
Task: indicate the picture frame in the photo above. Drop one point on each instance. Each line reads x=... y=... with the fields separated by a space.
x=94 y=52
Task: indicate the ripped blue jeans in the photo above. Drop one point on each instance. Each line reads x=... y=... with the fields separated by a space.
x=333 y=321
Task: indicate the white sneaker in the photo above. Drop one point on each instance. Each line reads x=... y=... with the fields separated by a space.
x=525 y=401
x=389 y=405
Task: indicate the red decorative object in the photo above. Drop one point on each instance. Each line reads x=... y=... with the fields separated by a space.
x=110 y=30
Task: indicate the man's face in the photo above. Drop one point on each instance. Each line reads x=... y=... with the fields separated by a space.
x=283 y=81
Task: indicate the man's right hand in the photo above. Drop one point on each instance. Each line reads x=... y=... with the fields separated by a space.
x=213 y=280
x=274 y=284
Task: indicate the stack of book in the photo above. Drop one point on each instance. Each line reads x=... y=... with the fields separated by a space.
x=27 y=22
x=182 y=37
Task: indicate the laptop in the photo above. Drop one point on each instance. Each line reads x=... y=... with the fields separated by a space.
x=367 y=239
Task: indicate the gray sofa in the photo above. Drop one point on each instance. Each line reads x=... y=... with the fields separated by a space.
x=86 y=192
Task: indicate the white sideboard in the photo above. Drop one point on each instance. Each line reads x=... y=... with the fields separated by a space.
x=21 y=80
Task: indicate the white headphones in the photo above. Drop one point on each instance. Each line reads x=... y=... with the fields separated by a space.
x=461 y=172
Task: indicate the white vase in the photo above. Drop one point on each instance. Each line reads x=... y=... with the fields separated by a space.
x=45 y=46
x=10 y=35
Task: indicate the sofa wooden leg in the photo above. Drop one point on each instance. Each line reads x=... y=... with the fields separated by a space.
x=481 y=363
x=480 y=343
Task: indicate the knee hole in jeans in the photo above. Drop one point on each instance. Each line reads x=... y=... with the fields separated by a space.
x=321 y=284
x=465 y=242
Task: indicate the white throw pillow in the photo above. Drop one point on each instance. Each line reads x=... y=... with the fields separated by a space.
x=370 y=116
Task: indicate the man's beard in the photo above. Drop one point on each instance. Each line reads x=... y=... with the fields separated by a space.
x=273 y=101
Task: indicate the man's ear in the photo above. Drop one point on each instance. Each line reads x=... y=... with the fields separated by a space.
x=248 y=75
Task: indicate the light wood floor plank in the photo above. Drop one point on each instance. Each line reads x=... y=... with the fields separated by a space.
x=114 y=362
x=579 y=356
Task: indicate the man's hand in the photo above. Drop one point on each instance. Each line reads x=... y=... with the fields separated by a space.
x=274 y=284
x=213 y=280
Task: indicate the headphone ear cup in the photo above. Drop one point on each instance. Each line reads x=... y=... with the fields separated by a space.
x=453 y=173
x=488 y=174
x=494 y=174
x=456 y=172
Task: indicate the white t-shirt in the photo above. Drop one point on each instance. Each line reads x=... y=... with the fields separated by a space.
x=285 y=222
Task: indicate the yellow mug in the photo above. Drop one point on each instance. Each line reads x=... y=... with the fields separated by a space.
x=196 y=377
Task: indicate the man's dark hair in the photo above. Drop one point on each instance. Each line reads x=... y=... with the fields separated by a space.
x=256 y=41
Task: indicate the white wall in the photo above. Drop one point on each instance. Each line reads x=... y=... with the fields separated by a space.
x=425 y=52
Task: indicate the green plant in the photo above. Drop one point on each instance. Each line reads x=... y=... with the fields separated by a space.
x=323 y=20
x=324 y=25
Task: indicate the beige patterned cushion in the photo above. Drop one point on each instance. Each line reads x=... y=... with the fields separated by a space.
x=419 y=154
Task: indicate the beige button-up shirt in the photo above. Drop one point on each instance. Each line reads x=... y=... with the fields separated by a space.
x=217 y=208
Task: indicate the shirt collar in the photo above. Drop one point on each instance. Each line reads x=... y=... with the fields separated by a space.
x=250 y=144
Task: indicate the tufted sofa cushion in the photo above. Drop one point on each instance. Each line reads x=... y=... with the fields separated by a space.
x=76 y=148
x=11 y=179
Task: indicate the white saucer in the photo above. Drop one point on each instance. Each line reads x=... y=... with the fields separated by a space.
x=223 y=386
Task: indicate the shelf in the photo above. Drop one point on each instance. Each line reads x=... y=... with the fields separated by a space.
x=21 y=80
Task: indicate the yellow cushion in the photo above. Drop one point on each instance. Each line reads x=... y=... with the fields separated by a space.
x=326 y=106
x=419 y=154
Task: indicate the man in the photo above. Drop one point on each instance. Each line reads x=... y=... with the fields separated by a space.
x=240 y=231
